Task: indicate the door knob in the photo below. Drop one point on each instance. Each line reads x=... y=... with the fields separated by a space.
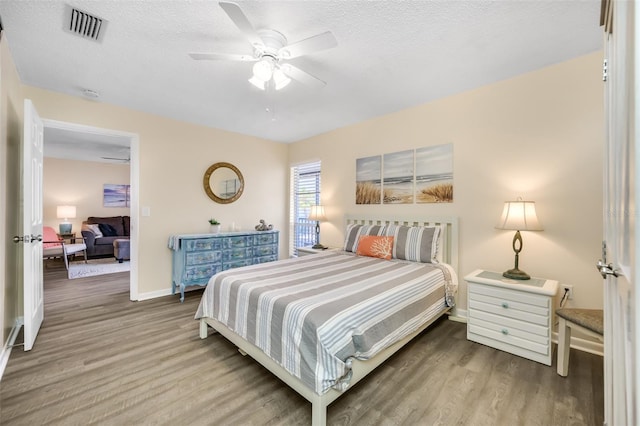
x=606 y=269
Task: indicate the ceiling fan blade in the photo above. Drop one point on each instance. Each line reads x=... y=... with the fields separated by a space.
x=302 y=76
x=240 y=19
x=221 y=57
x=316 y=43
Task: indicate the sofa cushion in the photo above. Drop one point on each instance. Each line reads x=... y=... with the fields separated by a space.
x=126 y=221
x=115 y=221
x=106 y=241
x=107 y=230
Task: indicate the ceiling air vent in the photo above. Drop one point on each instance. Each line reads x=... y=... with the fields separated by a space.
x=84 y=24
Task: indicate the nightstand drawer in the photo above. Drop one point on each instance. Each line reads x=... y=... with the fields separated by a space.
x=510 y=310
x=515 y=295
x=477 y=316
x=510 y=337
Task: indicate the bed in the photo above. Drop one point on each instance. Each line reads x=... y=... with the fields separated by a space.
x=321 y=323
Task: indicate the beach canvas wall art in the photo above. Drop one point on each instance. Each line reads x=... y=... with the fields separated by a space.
x=434 y=174
x=397 y=181
x=369 y=180
x=116 y=195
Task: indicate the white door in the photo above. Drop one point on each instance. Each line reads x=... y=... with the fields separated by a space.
x=32 y=224
x=619 y=248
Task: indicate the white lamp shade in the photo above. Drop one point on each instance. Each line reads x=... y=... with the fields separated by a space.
x=66 y=212
x=519 y=216
x=280 y=79
x=317 y=213
x=258 y=83
x=263 y=70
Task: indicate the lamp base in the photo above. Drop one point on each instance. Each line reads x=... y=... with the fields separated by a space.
x=318 y=247
x=65 y=228
x=516 y=274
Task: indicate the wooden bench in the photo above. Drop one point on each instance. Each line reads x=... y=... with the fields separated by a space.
x=588 y=321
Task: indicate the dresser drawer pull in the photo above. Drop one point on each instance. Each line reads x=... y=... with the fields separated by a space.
x=505 y=305
x=505 y=331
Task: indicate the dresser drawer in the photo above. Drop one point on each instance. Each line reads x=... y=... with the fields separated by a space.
x=236 y=254
x=264 y=259
x=236 y=264
x=238 y=242
x=261 y=239
x=200 y=273
x=477 y=316
x=513 y=338
x=265 y=250
x=203 y=244
x=202 y=257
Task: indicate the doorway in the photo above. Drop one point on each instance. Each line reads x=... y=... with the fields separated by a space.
x=87 y=141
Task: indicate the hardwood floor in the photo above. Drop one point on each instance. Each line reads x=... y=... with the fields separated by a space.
x=101 y=359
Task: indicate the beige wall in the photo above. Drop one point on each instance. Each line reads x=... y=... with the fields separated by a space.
x=539 y=136
x=11 y=112
x=173 y=158
x=79 y=183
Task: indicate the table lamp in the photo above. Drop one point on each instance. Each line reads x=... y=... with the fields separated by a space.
x=317 y=214
x=66 y=213
x=518 y=216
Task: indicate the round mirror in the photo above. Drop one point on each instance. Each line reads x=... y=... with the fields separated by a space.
x=223 y=183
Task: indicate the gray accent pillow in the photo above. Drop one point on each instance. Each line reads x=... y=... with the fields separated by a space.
x=415 y=243
x=355 y=231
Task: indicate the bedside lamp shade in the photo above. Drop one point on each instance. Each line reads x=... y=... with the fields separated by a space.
x=66 y=213
x=518 y=216
x=317 y=214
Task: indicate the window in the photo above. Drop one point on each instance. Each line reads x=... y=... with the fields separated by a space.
x=305 y=192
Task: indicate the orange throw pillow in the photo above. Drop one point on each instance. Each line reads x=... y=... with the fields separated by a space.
x=375 y=246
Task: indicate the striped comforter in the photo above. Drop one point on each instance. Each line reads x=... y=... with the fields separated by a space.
x=314 y=314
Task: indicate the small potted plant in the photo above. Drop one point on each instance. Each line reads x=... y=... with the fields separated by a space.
x=214 y=226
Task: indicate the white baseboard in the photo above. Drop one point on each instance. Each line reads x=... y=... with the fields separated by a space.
x=6 y=350
x=154 y=294
x=592 y=347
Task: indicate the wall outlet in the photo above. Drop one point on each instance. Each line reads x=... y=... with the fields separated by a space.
x=567 y=287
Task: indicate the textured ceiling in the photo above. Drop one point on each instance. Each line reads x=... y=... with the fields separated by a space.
x=391 y=55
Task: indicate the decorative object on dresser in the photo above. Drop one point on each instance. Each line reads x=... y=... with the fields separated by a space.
x=513 y=316
x=223 y=183
x=262 y=226
x=214 y=226
x=518 y=216
x=100 y=233
x=65 y=213
x=317 y=214
x=198 y=257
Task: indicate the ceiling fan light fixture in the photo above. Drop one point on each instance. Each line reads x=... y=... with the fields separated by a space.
x=263 y=69
x=258 y=83
x=280 y=79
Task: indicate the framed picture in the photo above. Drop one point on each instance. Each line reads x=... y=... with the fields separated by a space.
x=368 y=180
x=397 y=180
x=434 y=174
x=115 y=195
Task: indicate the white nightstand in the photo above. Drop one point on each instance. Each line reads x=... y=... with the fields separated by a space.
x=305 y=251
x=511 y=315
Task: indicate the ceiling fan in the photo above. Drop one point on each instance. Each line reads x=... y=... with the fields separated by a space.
x=270 y=53
x=123 y=160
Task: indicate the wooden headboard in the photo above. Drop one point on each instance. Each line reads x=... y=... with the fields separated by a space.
x=448 y=230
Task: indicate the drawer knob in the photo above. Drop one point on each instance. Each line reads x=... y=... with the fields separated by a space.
x=505 y=331
x=505 y=305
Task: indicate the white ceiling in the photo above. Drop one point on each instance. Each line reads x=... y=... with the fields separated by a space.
x=391 y=55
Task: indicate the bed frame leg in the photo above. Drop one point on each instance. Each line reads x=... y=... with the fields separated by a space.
x=203 y=329
x=318 y=414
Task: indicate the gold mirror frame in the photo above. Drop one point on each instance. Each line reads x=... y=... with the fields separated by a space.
x=207 y=183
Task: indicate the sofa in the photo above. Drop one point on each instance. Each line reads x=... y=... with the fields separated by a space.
x=100 y=232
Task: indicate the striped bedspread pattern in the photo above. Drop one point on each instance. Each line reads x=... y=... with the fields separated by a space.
x=313 y=314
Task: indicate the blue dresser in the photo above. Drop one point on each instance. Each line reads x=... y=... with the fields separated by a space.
x=198 y=257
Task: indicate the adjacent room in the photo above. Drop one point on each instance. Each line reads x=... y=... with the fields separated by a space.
x=327 y=212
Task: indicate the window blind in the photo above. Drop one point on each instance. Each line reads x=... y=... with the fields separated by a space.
x=305 y=193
